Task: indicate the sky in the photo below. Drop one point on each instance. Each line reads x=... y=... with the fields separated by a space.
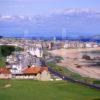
x=35 y=7
x=85 y=24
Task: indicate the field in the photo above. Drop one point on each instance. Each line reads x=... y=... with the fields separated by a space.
x=36 y=90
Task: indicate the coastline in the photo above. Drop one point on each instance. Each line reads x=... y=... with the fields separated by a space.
x=69 y=61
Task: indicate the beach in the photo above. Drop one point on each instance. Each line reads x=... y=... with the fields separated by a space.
x=73 y=58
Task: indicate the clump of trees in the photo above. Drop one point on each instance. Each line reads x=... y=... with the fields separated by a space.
x=6 y=50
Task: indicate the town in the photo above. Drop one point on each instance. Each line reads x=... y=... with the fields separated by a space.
x=30 y=62
x=49 y=49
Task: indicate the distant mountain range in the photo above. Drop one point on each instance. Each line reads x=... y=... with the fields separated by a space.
x=70 y=22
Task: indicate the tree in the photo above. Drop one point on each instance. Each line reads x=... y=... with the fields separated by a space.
x=6 y=50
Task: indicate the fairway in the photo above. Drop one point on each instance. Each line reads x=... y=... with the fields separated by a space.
x=36 y=90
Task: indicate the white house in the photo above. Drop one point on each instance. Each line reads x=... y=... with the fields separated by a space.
x=16 y=69
x=88 y=45
x=95 y=45
x=35 y=51
x=66 y=45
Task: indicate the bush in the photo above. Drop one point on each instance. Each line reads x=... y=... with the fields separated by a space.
x=96 y=82
x=6 y=50
x=86 y=57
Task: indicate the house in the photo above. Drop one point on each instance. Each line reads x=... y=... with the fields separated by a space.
x=30 y=73
x=45 y=76
x=23 y=59
x=37 y=51
x=34 y=70
x=16 y=69
x=5 y=73
x=38 y=73
x=88 y=45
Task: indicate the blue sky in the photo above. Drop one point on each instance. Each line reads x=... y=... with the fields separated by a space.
x=85 y=24
x=33 y=7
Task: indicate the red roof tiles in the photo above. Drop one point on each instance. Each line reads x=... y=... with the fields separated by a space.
x=4 y=71
x=34 y=70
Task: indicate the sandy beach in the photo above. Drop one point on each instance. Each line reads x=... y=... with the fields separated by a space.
x=70 y=62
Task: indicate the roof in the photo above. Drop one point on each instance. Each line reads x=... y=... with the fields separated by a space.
x=44 y=68
x=34 y=70
x=4 y=71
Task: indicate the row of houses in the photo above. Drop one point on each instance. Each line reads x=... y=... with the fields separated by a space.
x=27 y=64
x=18 y=61
x=76 y=44
x=35 y=73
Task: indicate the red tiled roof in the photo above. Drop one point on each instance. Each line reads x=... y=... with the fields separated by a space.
x=34 y=70
x=44 y=68
x=4 y=71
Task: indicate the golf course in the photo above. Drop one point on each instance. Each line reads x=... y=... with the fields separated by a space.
x=38 y=90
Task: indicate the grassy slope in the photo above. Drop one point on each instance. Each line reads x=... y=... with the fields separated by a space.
x=2 y=62
x=64 y=71
x=34 y=90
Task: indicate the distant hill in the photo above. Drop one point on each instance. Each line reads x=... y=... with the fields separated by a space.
x=96 y=36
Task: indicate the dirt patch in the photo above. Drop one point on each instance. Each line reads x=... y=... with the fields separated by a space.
x=7 y=85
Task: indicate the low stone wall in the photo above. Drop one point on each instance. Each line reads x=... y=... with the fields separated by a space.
x=5 y=76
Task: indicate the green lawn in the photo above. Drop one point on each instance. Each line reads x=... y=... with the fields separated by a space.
x=35 y=90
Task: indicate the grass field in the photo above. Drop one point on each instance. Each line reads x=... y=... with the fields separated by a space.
x=35 y=90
